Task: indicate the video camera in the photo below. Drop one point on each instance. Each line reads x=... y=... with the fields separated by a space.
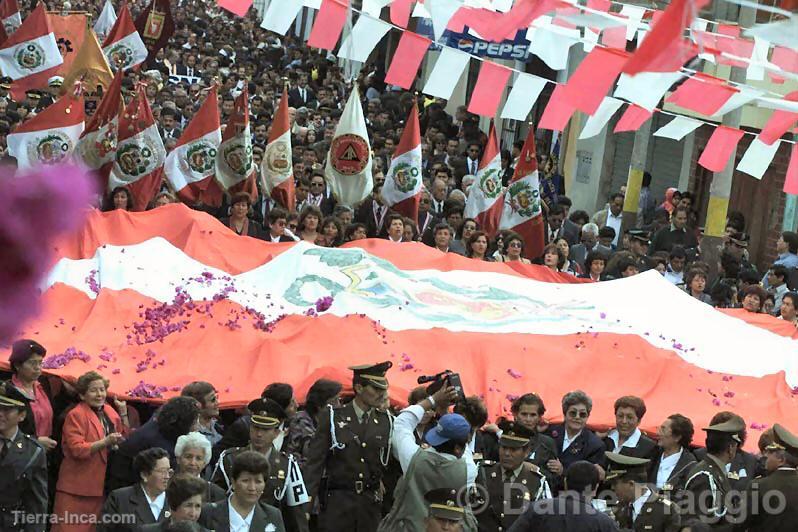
x=444 y=378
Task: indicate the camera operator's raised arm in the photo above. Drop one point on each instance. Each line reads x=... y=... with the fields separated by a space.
x=404 y=441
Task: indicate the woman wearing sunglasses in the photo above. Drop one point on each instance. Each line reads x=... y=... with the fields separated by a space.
x=574 y=440
x=513 y=249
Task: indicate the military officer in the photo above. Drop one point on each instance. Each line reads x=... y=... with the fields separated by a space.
x=639 y=508
x=707 y=482
x=23 y=468
x=781 y=483
x=352 y=445
x=638 y=245
x=285 y=488
x=505 y=488
x=445 y=512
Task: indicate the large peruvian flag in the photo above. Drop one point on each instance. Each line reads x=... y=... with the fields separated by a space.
x=484 y=202
x=235 y=169
x=191 y=166
x=124 y=47
x=277 y=170
x=30 y=56
x=522 y=212
x=151 y=299
x=50 y=136
x=138 y=164
x=402 y=188
x=10 y=16
x=97 y=146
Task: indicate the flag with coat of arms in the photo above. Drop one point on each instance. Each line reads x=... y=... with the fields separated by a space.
x=402 y=188
x=30 y=56
x=348 y=169
x=485 y=200
x=277 y=170
x=522 y=209
x=123 y=47
x=10 y=16
x=50 y=136
x=96 y=148
x=191 y=165
x=140 y=154
x=235 y=169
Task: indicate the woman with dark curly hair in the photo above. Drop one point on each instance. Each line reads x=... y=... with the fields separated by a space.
x=178 y=416
x=332 y=233
x=477 y=246
x=514 y=249
x=553 y=257
x=308 y=226
x=119 y=198
x=303 y=425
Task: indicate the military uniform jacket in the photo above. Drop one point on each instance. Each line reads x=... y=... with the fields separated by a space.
x=355 y=463
x=707 y=481
x=783 y=480
x=657 y=514
x=497 y=513
x=23 y=482
x=273 y=495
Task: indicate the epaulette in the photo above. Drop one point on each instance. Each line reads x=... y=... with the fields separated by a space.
x=665 y=501
x=33 y=440
x=488 y=463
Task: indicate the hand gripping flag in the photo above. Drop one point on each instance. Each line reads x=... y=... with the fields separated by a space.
x=30 y=56
x=140 y=154
x=522 y=210
x=235 y=169
x=348 y=169
x=484 y=202
x=50 y=136
x=123 y=47
x=191 y=166
x=97 y=146
x=276 y=170
x=402 y=189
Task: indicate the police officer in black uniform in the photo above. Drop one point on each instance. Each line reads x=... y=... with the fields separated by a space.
x=639 y=240
x=445 y=511
x=285 y=488
x=351 y=448
x=505 y=488
x=23 y=469
x=639 y=507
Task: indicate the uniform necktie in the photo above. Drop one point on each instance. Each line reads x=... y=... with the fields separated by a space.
x=508 y=476
x=5 y=443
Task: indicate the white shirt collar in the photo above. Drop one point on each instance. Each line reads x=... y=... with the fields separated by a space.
x=632 y=442
x=156 y=504
x=238 y=523
x=566 y=441
x=637 y=506
x=666 y=466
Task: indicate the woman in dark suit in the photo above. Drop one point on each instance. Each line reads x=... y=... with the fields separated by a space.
x=184 y=495
x=668 y=470
x=238 y=220
x=249 y=473
x=193 y=454
x=146 y=500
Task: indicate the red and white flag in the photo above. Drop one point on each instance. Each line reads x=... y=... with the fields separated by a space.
x=140 y=154
x=484 y=202
x=235 y=169
x=97 y=145
x=105 y=22
x=402 y=188
x=124 y=47
x=348 y=169
x=9 y=14
x=50 y=136
x=191 y=165
x=30 y=56
x=276 y=170
x=522 y=211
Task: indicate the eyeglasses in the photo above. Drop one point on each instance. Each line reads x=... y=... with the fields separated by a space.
x=164 y=472
x=514 y=245
x=317 y=184
x=577 y=415
x=292 y=226
x=425 y=201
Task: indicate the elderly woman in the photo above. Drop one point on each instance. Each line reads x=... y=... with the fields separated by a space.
x=91 y=429
x=193 y=454
x=514 y=249
x=573 y=439
x=238 y=221
x=627 y=438
x=308 y=226
x=26 y=365
x=672 y=464
x=302 y=426
x=144 y=501
x=184 y=497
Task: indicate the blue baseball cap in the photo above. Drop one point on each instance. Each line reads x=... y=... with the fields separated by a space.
x=449 y=427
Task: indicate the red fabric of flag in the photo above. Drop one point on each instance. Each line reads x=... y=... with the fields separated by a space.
x=779 y=122
x=720 y=147
x=237 y=7
x=489 y=88
x=400 y=12
x=329 y=23
x=407 y=59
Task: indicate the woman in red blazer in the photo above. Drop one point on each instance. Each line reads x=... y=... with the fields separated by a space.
x=91 y=428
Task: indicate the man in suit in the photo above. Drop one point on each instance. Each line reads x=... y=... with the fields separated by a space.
x=146 y=499
x=782 y=479
x=372 y=213
x=188 y=67
x=169 y=129
x=507 y=486
x=639 y=507
x=318 y=195
x=708 y=480
x=243 y=510
x=626 y=438
x=472 y=158
x=438 y=197
x=612 y=216
x=558 y=226
x=426 y=220
x=277 y=231
x=23 y=467
x=589 y=243
x=302 y=95
x=351 y=445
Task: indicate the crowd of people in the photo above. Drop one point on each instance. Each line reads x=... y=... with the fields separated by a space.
x=76 y=459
